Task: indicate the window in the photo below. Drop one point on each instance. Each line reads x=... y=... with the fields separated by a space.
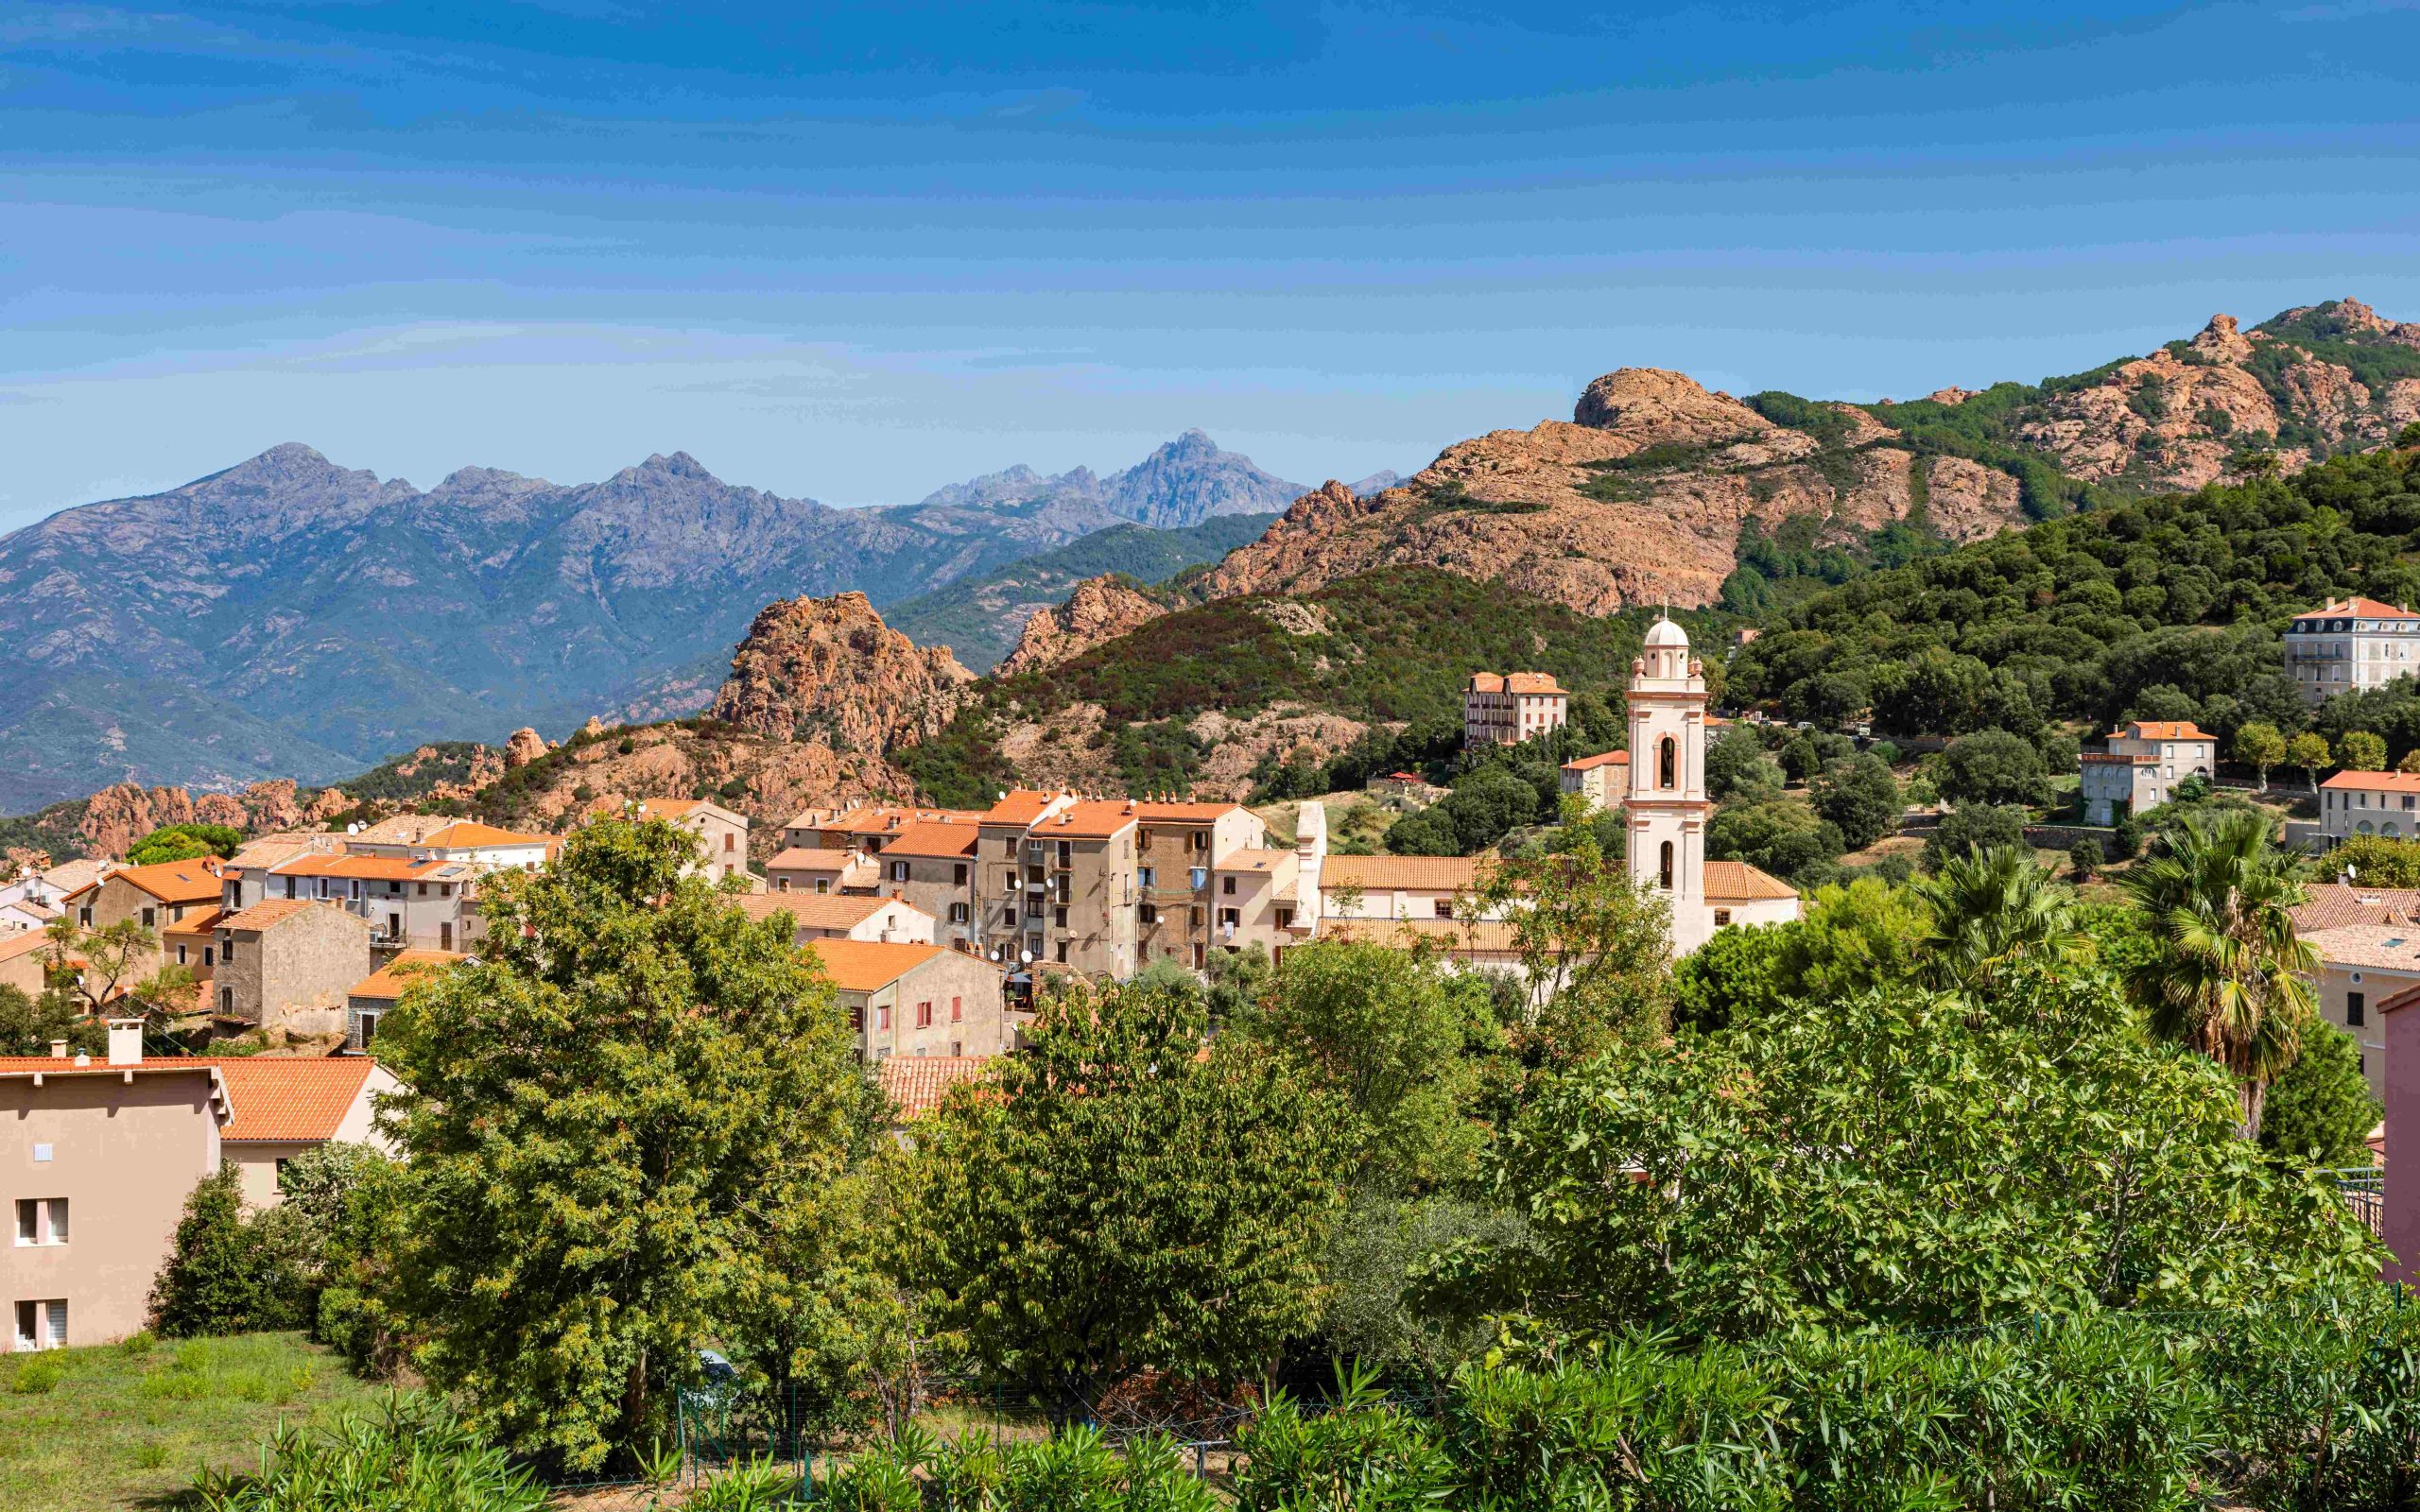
x=1721 y=917
x=956 y=1012
x=1011 y=920
x=957 y=874
x=1148 y=876
x=42 y=1325
x=1227 y=887
x=1667 y=762
x=925 y=1015
x=181 y=953
x=369 y=1029
x=730 y=842
x=207 y=951
x=1066 y=852
x=424 y=889
x=1143 y=838
x=41 y=1220
x=150 y=916
x=2355 y=1007
x=957 y=1047
x=1193 y=918
x=1008 y=878
x=1063 y=952
x=822 y=885
x=225 y=947
x=858 y=1019
x=899 y=872
x=1230 y=917
x=1059 y=917
x=1285 y=917
x=882 y=1016
x=445 y=935
x=84 y=915
x=227 y=1000
x=1147 y=913
x=781 y=885
x=1663 y=867
x=957 y=913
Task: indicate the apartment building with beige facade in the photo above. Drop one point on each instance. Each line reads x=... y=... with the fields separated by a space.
x=2139 y=765
x=2351 y=645
x=1505 y=709
x=919 y=1000
x=2383 y=803
x=930 y=865
x=820 y=869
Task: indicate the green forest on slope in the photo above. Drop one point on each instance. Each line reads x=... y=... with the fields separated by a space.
x=2168 y=607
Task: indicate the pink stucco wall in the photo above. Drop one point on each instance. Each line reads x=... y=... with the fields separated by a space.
x=2402 y=1094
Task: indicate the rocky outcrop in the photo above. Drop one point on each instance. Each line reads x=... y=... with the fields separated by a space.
x=523 y=747
x=1101 y=609
x=1637 y=499
x=828 y=670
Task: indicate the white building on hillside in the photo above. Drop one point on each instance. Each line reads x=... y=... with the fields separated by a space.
x=2353 y=642
x=1507 y=709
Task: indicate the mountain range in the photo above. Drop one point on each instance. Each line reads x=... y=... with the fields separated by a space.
x=289 y=617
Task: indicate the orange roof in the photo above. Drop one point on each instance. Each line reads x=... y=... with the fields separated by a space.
x=1020 y=806
x=1514 y=682
x=297 y=1098
x=1589 y=763
x=933 y=838
x=175 y=882
x=819 y=910
x=367 y=869
x=1166 y=813
x=2374 y=782
x=270 y=912
x=1733 y=881
x=468 y=835
x=883 y=819
x=389 y=980
x=2332 y=906
x=916 y=1084
x=2358 y=609
x=811 y=858
x=203 y=922
x=1409 y=873
x=1094 y=818
x=2163 y=729
x=867 y=966
x=22 y=942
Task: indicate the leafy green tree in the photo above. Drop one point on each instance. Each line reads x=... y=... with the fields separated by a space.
x=29 y=1024
x=2362 y=751
x=1400 y=1042
x=1372 y=1311
x=1993 y=911
x=1800 y=761
x=1972 y=828
x=1854 y=939
x=2320 y=1110
x=184 y=842
x=1731 y=974
x=1782 y=836
x=1595 y=951
x=2083 y=859
x=1792 y=1173
x=1737 y=766
x=1860 y=797
x=2376 y=861
x=220 y=1278
x=2228 y=978
x=112 y=958
x=2259 y=747
x=1119 y=1199
x=1994 y=768
x=1239 y=979
x=613 y=1118
x=2411 y=762
x=2310 y=751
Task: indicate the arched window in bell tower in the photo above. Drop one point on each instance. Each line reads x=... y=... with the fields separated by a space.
x=1663 y=867
x=1667 y=762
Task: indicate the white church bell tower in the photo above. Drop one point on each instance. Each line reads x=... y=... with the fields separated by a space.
x=1666 y=799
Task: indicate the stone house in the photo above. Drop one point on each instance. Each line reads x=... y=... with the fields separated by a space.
x=367 y=1001
x=24 y=960
x=919 y=1000
x=288 y=963
x=1508 y=708
x=816 y=869
x=97 y=1159
x=1410 y=786
x=722 y=834
x=2384 y=803
x=155 y=896
x=1598 y=780
x=834 y=916
x=2141 y=766
x=931 y=865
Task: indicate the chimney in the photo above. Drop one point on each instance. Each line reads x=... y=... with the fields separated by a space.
x=59 y=1049
x=126 y=1042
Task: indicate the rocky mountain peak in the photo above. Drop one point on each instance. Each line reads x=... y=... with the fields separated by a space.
x=2221 y=341
x=1101 y=609
x=1654 y=405
x=828 y=670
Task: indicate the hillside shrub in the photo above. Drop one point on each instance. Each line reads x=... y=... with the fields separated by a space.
x=411 y=1454
x=2321 y=1111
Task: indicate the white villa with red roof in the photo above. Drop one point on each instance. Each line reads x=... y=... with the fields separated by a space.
x=2142 y=766
x=2353 y=642
x=1508 y=708
x=2385 y=804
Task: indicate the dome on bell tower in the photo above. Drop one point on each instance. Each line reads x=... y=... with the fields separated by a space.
x=1666 y=636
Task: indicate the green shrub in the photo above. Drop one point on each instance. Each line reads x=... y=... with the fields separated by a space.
x=412 y=1455
x=37 y=1375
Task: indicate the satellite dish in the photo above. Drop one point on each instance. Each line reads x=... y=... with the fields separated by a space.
x=1026 y=956
x=353 y=827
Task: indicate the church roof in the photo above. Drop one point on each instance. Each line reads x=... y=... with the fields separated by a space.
x=1735 y=882
x=1664 y=634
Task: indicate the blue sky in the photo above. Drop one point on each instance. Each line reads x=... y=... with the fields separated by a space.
x=860 y=251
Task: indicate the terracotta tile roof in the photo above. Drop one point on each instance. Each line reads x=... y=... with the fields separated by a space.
x=401 y=828
x=2390 y=946
x=2333 y=905
x=810 y=858
x=1514 y=682
x=22 y=942
x=940 y=839
x=466 y=834
x=270 y=912
x=268 y=850
x=879 y=818
x=2374 y=782
x=2162 y=730
x=69 y=876
x=1481 y=938
x=175 y=882
x=1611 y=758
x=1093 y=819
x=864 y=966
x=1021 y=806
x=1253 y=860
x=298 y=1098
x=917 y=1084
x=388 y=983
x=47 y=1066
x=821 y=910
x=1406 y=873
x=2358 y=609
x=200 y=921
x=1734 y=882
x=367 y=868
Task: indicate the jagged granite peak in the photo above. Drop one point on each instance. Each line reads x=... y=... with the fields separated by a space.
x=1101 y=609
x=1378 y=482
x=828 y=670
x=1182 y=482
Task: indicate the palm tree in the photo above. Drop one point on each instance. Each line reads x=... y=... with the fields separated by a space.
x=1992 y=908
x=2228 y=977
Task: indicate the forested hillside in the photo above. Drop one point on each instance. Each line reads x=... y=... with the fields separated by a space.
x=2168 y=607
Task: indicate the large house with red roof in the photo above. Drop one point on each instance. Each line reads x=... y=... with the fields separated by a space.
x=2138 y=767
x=2352 y=643
x=1505 y=709
x=2385 y=804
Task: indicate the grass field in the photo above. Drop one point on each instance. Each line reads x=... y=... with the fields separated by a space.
x=127 y=1425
